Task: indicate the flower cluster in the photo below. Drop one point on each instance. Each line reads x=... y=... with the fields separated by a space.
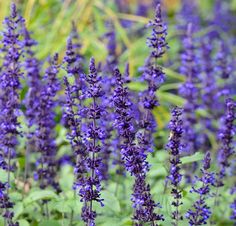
x=32 y=68
x=175 y=176
x=73 y=107
x=45 y=137
x=157 y=42
x=200 y=212
x=153 y=76
x=226 y=139
x=9 y=104
x=133 y=155
x=90 y=187
x=190 y=92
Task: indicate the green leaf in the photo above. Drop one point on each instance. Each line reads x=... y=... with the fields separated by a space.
x=137 y=86
x=23 y=222
x=193 y=158
x=18 y=209
x=171 y=98
x=110 y=201
x=66 y=178
x=49 y=223
x=172 y=74
x=40 y=195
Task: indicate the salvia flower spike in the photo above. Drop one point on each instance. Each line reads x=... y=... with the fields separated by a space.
x=200 y=212
x=154 y=77
x=175 y=177
x=90 y=186
x=190 y=92
x=9 y=105
x=45 y=137
x=226 y=139
x=133 y=155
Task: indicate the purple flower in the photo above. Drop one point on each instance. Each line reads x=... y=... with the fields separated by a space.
x=190 y=92
x=133 y=155
x=112 y=57
x=175 y=177
x=90 y=186
x=153 y=76
x=200 y=212
x=233 y=207
x=11 y=47
x=226 y=139
x=209 y=87
x=73 y=116
x=157 y=41
x=223 y=68
x=45 y=137
x=32 y=68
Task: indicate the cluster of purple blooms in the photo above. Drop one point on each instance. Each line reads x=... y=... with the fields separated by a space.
x=200 y=212
x=9 y=104
x=109 y=124
x=175 y=147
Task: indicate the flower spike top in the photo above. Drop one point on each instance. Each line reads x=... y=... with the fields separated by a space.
x=158 y=39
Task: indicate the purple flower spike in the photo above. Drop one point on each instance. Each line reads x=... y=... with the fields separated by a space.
x=73 y=113
x=200 y=212
x=157 y=41
x=175 y=176
x=154 y=77
x=226 y=139
x=90 y=186
x=133 y=155
x=190 y=92
x=11 y=48
x=45 y=137
x=32 y=67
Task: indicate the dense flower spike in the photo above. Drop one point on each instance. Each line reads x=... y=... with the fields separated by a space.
x=157 y=41
x=175 y=176
x=90 y=186
x=226 y=138
x=110 y=143
x=153 y=76
x=209 y=95
x=45 y=137
x=75 y=94
x=133 y=155
x=9 y=104
x=200 y=212
x=190 y=92
x=32 y=68
x=74 y=118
